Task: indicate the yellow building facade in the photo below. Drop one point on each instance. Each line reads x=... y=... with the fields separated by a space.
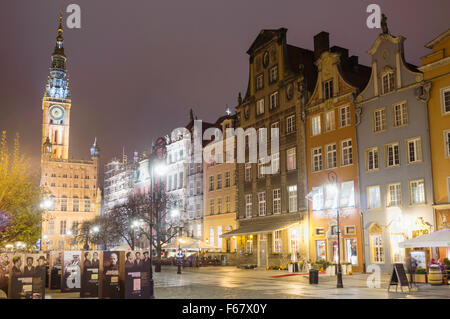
x=72 y=188
x=436 y=69
x=219 y=195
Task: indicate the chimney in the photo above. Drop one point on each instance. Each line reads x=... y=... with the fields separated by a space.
x=342 y=51
x=354 y=59
x=321 y=43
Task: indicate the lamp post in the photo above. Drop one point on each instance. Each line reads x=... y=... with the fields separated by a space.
x=332 y=178
x=46 y=204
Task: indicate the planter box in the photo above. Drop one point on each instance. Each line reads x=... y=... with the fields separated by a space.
x=331 y=270
x=419 y=278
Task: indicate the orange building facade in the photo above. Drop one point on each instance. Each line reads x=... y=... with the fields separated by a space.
x=332 y=163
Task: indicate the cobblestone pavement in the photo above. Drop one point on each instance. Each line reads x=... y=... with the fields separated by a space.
x=233 y=283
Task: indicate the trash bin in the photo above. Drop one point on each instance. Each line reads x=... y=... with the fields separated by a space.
x=313 y=277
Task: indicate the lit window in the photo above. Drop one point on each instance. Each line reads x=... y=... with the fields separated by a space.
x=347 y=196
x=400 y=112
x=87 y=204
x=64 y=203
x=394 y=194
x=211 y=183
x=248 y=172
x=317 y=198
x=372 y=159
x=373 y=197
x=62 y=227
x=315 y=125
x=330 y=121
x=347 y=152
x=291 y=159
x=260 y=82
x=211 y=235
x=316 y=154
x=276 y=201
x=76 y=204
x=292 y=190
x=227 y=204
x=227 y=179
x=417 y=192
x=260 y=107
x=331 y=196
x=262 y=203
x=277 y=241
x=331 y=156
x=219 y=206
x=249 y=245
x=219 y=181
x=275 y=133
x=211 y=206
x=248 y=205
x=344 y=116
x=290 y=124
x=414 y=150
x=377 y=249
x=379 y=120
x=275 y=163
x=392 y=155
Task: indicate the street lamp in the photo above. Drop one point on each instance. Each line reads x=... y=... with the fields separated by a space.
x=333 y=188
x=46 y=204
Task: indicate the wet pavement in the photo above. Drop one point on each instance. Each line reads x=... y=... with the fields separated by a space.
x=233 y=283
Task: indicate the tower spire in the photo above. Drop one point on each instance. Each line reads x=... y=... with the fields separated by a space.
x=57 y=84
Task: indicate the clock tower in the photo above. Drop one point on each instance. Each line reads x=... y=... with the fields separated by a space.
x=56 y=104
x=71 y=184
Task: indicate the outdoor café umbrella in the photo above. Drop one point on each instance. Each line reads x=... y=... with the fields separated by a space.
x=198 y=244
x=440 y=238
x=180 y=242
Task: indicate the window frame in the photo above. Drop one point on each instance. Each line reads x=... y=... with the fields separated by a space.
x=276 y=201
x=376 y=159
x=260 y=105
x=273 y=104
x=289 y=153
x=404 y=120
x=316 y=128
x=290 y=124
x=399 y=201
x=418 y=158
x=383 y=124
x=343 y=162
x=347 y=120
x=422 y=180
x=443 y=106
x=327 y=120
x=386 y=154
x=390 y=81
x=369 y=202
x=313 y=156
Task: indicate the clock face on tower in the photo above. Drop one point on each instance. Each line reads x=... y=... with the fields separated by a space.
x=56 y=112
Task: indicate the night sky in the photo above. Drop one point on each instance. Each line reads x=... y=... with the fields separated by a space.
x=137 y=67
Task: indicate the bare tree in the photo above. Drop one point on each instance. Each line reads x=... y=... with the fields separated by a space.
x=157 y=224
x=99 y=231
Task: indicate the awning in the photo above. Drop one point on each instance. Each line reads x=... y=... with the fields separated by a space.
x=440 y=238
x=260 y=227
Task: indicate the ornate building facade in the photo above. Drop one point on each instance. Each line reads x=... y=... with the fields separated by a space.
x=331 y=151
x=73 y=194
x=436 y=69
x=271 y=212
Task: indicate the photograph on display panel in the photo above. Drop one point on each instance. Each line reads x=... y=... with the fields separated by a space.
x=111 y=275
x=56 y=261
x=71 y=278
x=90 y=273
x=5 y=267
x=137 y=274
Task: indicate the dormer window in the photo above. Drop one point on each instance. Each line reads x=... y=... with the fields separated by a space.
x=328 y=89
x=260 y=82
x=388 y=82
